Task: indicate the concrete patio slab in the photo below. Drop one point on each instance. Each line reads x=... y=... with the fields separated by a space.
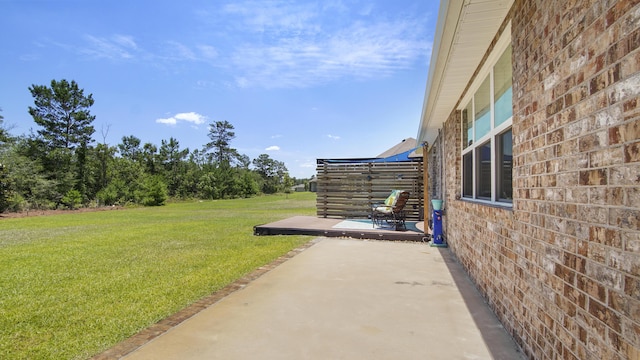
x=346 y=299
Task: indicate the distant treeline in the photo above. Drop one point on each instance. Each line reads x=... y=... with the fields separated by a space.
x=62 y=166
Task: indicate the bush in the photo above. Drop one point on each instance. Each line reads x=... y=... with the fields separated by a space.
x=249 y=185
x=154 y=192
x=108 y=195
x=208 y=186
x=16 y=203
x=72 y=199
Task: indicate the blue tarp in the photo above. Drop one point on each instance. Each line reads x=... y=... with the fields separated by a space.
x=402 y=157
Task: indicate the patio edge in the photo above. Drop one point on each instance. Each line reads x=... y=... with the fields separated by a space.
x=141 y=338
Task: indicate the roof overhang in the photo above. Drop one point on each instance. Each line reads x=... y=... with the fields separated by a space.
x=464 y=32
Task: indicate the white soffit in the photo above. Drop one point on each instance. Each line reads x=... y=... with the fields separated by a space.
x=464 y=31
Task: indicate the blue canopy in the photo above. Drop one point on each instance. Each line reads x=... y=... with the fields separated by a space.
x=401 y=157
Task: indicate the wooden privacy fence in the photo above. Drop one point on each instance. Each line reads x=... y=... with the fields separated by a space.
x=347 y=190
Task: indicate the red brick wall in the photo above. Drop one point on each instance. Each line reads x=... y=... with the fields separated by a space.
x=562 y=268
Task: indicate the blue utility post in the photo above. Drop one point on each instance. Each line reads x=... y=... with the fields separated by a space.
x=437 y=235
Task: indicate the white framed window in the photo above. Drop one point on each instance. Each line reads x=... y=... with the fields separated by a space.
x=487 y=113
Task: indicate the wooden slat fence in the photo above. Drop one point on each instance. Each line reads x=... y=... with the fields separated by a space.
x=349 y=190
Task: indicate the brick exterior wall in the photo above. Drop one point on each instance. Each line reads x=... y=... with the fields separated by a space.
x=562 y=268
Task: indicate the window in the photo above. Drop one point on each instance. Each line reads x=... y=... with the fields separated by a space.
x=467 y=181
x=505 y=162
x=467 y=125
x=482 y=113
x=483 y=171
x=487 y=156
x=503 y=96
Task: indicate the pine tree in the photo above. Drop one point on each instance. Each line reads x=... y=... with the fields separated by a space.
x=62 y=111
x=221 y=135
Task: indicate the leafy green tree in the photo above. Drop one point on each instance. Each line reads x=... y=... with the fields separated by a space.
x=4 y=183
x=29 y=188
x=249 y=184
x=172 y=159
x=101 y=159
x=4 y=188
x=230 y=183
x=198 y=158
x=153 y=191
x=58 y=166
x=62 y=110
x=150 y=158
x=85 y=178
x=125 y=181
x=243 y=161
x=115 y=193
x=208 y=186
x=188 y=186
x=72 y=199
x=272 y=173
x=4 y=132
x=268 y=167
x=287 y=183
x=130 y=148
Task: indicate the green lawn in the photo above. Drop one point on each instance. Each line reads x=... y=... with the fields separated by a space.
x=72 y=285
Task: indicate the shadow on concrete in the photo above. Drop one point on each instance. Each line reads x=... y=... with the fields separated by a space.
x=484 y=318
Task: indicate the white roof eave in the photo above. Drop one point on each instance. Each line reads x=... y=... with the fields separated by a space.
x=464 y=32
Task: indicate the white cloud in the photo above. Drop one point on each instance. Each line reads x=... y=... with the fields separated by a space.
x=114 y=47
x=335 y=5
x=301 y=51
x=125 y=41
x=242 y=82
x=189 y=117
x=180 y=51
x=272 y=148
x=277 y=136
x=167 y=121
x=125 y=47
x=333 y=137
x=280 y=44
x=204 y=84
x=176 y=51
x=273 y=16
x=192 y=117
x=208 y=52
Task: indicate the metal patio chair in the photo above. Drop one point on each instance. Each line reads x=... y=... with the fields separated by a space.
x=392 y=211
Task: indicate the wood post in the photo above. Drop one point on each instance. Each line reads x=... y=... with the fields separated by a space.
x=425 y=184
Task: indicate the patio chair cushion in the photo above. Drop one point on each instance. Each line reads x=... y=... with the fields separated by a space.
x=391 y=199
x=383 y=209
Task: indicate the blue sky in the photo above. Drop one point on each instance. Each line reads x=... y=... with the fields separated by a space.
x=299 y=80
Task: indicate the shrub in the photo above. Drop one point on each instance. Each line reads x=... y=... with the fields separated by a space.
x=72 y=199
x=16 y=203
x=154 y=192
x=108 y=195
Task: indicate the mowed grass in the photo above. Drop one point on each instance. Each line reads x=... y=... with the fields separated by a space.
x=73 y=285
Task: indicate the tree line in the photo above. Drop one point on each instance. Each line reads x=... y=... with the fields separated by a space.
x=61 y=165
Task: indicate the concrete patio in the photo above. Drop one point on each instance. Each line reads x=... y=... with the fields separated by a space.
x=343 y=299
